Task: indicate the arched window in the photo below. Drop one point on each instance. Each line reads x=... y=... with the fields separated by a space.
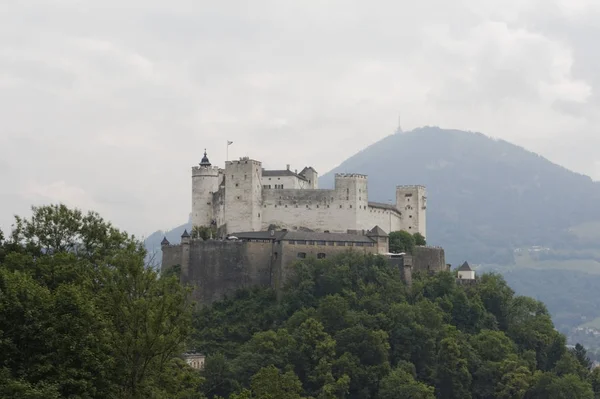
x=321 y=255
x=301 y=255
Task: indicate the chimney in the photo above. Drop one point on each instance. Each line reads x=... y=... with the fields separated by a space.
x=288 y=166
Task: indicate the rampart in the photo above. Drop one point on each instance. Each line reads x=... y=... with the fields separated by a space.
x=429 y=259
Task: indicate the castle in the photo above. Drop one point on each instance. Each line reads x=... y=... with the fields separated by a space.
x=267 y=220
x=246 y=197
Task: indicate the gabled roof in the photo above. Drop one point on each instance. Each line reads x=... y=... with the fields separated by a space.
x=465 y=268
x=307 y=168
x=165 y=241
x=301 y=236
x=283 y=172
x=377 y=232
x=383 y=206
x=185 y=234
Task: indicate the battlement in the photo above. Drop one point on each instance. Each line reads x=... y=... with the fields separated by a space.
x=350 y=176
x=205 y=171
x=411 y=186
x=243 y=161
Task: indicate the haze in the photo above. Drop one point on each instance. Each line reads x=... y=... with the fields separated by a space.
x=105 y=105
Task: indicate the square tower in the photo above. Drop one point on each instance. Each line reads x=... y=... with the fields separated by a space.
x=411 y=201
x=243 y=195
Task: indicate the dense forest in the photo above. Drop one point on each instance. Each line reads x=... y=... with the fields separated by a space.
x=82 y=316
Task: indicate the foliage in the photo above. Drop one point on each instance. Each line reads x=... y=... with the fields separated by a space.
x=81 y=316
x=348 y=327
x=204 y=232
x=401 y=241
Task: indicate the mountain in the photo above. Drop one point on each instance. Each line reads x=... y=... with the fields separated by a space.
x=486 y=197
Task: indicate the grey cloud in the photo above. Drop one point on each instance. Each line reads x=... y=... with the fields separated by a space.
x=107 y=104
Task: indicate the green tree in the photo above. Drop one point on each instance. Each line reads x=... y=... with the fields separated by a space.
x=270 y=383
x=453 y=380
x=204 y=232
x=80 y=315
x=419 y=239
x=401 y=241
x=400 y=384
x=150 y=320
x=581 y=355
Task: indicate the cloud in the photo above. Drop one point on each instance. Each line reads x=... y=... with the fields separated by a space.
x=107 y=104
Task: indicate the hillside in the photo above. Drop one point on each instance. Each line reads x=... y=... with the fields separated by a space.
x=486 y=197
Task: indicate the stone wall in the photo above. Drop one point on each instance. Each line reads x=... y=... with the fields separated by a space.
x=219 y=268
x=289 y=255
x=429 y=259
x=171 y=256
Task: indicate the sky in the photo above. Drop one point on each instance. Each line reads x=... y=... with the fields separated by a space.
x=105 y=104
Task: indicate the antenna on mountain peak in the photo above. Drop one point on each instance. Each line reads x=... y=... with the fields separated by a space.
x=399 y=128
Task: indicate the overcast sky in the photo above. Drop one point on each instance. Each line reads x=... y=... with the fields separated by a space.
x=106 y=104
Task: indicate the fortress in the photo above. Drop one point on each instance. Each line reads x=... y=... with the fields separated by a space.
x=246 y=197
x=267 y=220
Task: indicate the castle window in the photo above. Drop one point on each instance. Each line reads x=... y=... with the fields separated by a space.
x=269 y=178
x=410 y=216
x=320 y=242
x=350 y=206
x=275 y=206
x=286 y=206
x=321 y=255
x=238 y=197
x=347 y=191
x=340 y=207
x=408 y=195
x=331 y=243
x=347 y=198
x=311 y=243
x=237 y=185
x=301 y=255
x=358 y=244
x=327 y=206
x=259 y=212
x=317 y=206
x=292 y=242
x=307 y=206
x=340 y=244
x=409 y=227
x=275 y=256
x=301 y=242
x=245 y=177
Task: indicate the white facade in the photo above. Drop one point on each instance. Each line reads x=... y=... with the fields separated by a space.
x=466 y=275
x=245 y=197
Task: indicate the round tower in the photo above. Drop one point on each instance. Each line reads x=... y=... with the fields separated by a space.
x=205 y=182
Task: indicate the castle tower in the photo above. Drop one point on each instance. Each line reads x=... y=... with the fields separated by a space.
x=411 y=201
x=205 y=182
x=185 y=255
x=351 y=198
x=243 y=195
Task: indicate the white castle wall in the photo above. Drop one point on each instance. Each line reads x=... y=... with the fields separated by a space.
x=289 y=182
x=387 y=219
x=412 y=202
x=205 y=182
x=243 y=195
x=235 y=198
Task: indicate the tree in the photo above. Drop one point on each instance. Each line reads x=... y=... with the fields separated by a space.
x=204 y=232
x=270 y=383
x=453 y=379
x=419 y=239
x=400 y=384
x=150 y=319
x=81 y=315
x=581 y=355
x=401 y=241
